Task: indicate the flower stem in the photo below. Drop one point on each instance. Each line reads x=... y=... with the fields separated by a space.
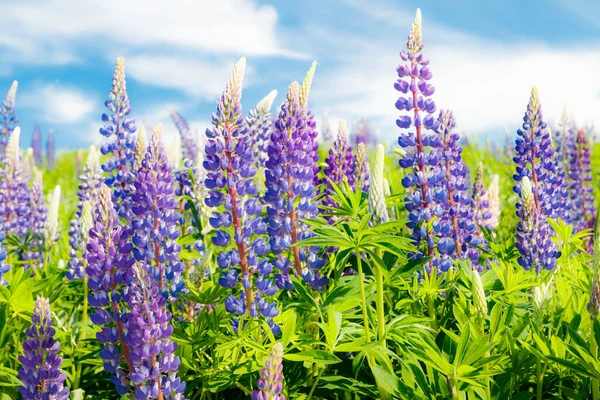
x=361 y=279
x=380 y=302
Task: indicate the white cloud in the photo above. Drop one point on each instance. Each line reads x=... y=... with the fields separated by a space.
x=58 y=104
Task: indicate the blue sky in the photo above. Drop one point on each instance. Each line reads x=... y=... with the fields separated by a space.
x=485 y=56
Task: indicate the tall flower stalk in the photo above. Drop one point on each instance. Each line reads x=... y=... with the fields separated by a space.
x=50 y=151
x=40 y=372
x=361 y=175
x=37 y=219
x=270 y=384
x=189 y=144
x=230 y=166
x=260 y=126
x=581 y=191
x=8 y=118
x=535 y=161
x=481 y=204
x=121 y=129
x=36 y=145
x=290 y=193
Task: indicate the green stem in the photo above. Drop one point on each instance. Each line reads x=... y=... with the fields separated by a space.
x=431 y=304
x=314 y=386
x=361 y=279
x=380 y=304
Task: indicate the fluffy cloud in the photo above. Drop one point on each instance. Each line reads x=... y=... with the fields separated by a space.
x=58 y=104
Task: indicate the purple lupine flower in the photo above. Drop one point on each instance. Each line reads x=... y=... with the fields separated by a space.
x=230 y=166
x=37 y=219
x=361 y=174
x=463 y=238
x=36 y=145
x=260 y=126
x=14 y=192
x=270 y=384
x=290 y=193
x=89 y=188
x=481 y=204
x=581 y=192
x=40 y=372
x=564 y=139
x=424 y=177
x=8 y=119
x=121 y=129
x=309 y=119
x=50 y=151
x=152 y=352
x=326 y=130
x=492 y=196
x=189 y=144
x=154 y=228
x=535 y=161
x=109 y=271
x=363 y=133
x=4 y=267
x=339 y=165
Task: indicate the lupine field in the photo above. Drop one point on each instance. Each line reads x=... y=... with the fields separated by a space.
x=279 y=259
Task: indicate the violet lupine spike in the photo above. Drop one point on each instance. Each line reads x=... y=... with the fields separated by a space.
x=260 y=126
x=230 y=166
x=270 y=384
x=339 y=164
x=90 y=182
x=363 y=133
x=421 y=150
x=40 y=372
x=564 y=139
x=154 y=228
x=361 y=174
x=309 y=120
x=290 y=193
x=109 y=271
x=36 y=145
x=189 y=144
x=152 y=352
x=481 y=204
x=14 y=192
x=50 y=151
x=4 y=266
x=37 y=219
x=462 y=239
x=581 y=191
x=120 y=128
x=492 y=196
x=535 y=163
x=8 y=118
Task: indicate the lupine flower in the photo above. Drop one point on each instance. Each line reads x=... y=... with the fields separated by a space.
x=309 y=120
x=260 y=126
x=14 y=192
x=481 y=204
x=77 y=264
x=581 y=192
x=363 y=133
x=51 y=226
x=154 y=228
x=37 y=218
x=290 y=193
x=535 y=161
x=40 y=372
x=189 y=145
x=339 y=164
x=8 y=119
x=230 y=174
x=121 y=129
x=199 y=193
x=89 y=189
x=361 y=174
x=36 y=145
x=270 y=384
x=564 y=139
x=377 y=190
x=27 y=165
x=492 y=196
x=422 y=151
x=594 y=303
x=140 y=149
x=109 y=271
x=479 y=301
x=326 y=130
x=4 y=267
x=50 y=151
x=463 y=238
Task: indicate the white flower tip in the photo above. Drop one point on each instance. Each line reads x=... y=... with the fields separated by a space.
x=294 y=91
x=264 y=106
x=342 y=129
x=307 y=83
x=174 y=154
x=12 y=93
x=234 y=84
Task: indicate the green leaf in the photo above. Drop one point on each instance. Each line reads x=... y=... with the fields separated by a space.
x=314 y=356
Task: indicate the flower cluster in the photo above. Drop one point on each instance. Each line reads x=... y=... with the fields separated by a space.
x=492 y=196
x=270 y=384
x=363 y=133
x=541 y=195
x=340 y=164
x=51 y=225
x=230 y=166
x=481 y=204
x=4 y=267
x=326 y=130
x=40 y=372
x=189 y=145
x=50 y=151
x=290 y=192
x=424 y=176
x=8 y=118
x=581 y=192
x=309 y=120
x=379 y=187
x=361 y=174
x=36 y=145
x=121 y=129
x=260 y=126
x=89 y=187
x=37 y=218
